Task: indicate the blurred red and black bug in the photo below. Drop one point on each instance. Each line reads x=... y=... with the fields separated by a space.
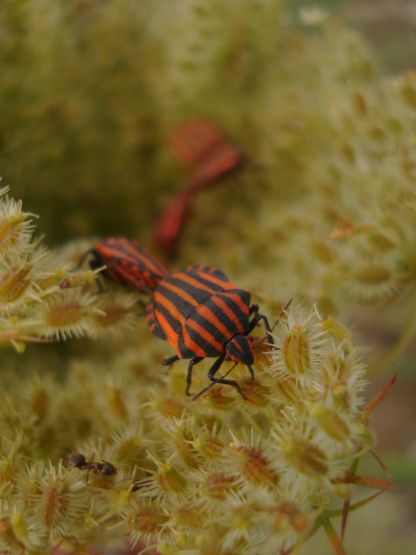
x=203 y=146
x=170 y=225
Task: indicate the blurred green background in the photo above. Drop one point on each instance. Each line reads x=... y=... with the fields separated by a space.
x=389 y=25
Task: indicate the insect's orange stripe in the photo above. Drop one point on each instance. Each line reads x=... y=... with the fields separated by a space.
x=180 y=293
x=144 y=258
x=108 y=252
x=227 y=310
x=226 y=284
x=190 y=281
x=191 y=345
x=136 y=255
x=171 y=334
x=209 y=315
x=204 y=334
x=170 y=307
x=237 y=299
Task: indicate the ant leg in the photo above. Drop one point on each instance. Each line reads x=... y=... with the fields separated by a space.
x=214 y=369
x=192 y=363
x=170 y=360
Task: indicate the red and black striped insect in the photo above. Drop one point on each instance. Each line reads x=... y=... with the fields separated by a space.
x=202 y=314
x=128 y=263
x=199 y=311
x=203 y=146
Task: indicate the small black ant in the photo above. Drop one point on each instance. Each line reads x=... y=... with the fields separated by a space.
x=103 y=468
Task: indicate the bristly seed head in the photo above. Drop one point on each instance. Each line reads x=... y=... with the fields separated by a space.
x=307 y=457
x=14 y=282
x=147 y=522
x=296 y=351
x=67 y=314
x=332 y=423
x=253 y=464
x=219 y=485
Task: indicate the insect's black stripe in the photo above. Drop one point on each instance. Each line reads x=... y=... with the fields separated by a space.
x=223 y=318
x=172 y=321
x=200 y=295
x=184 y=307
x=142 y=258
x=209 y=327
x=134 y=252
x=242 y=318
x=203 y=343
x=210 y=270
x=116 y=252
x=184 y=350
x=206 y=282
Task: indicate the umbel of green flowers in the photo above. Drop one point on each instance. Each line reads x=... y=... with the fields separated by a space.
x=90 y=91
x=220 y=474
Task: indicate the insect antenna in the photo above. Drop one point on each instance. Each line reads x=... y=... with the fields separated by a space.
x=276 y=321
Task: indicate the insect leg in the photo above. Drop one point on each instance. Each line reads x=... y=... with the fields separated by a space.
x=214 y=369
x=192 y=363
x=258 y=317
x=254 y=308
x=212 y=383
x=261 y=318
x=170 y=360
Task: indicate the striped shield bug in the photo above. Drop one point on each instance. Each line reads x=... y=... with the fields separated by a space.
x=202 y=314
x=203 y=146
x=128 y=263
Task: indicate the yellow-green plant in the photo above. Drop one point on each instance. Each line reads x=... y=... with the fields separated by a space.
x=41 y=299
x=221 y=474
